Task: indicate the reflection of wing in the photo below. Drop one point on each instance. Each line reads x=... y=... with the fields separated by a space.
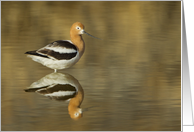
x=56 y=86
x=59 y=92
x=53 y=79
x=32 y=89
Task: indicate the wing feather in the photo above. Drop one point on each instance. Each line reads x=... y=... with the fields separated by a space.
x=57 y=50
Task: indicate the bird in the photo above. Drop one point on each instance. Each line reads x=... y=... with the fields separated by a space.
x=62 y=54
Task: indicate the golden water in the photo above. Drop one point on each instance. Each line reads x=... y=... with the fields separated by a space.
x=131 y=79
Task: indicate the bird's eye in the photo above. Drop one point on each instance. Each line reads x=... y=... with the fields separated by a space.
x=78 y=28
x=76 y=114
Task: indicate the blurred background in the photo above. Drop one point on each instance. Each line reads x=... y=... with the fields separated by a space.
x=131 y=79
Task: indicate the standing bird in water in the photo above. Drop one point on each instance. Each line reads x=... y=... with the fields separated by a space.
x=62 y=54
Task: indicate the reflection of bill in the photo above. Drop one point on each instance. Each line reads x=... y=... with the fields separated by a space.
x=60 y=86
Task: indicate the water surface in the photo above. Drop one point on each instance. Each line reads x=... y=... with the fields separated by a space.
x=131 y=79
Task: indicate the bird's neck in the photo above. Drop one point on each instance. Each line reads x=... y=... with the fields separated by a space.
x=79 y=42
x=76 y=101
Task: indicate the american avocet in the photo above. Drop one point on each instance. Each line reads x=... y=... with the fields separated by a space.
x=60 y=87
x=62 y=53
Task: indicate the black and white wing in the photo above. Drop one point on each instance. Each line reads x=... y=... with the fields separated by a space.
x=57 y=50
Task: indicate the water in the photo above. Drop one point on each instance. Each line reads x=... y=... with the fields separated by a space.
x=131 y=79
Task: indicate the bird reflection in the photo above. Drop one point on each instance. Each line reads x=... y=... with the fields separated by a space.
x=60 y=86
